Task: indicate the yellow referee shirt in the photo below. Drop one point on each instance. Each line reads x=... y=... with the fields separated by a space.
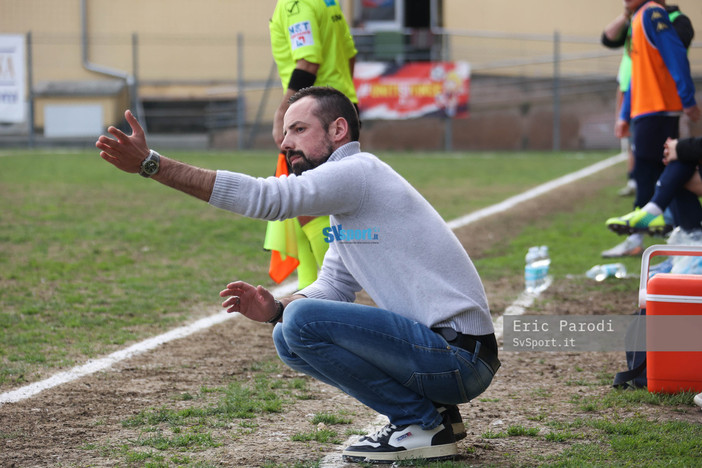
x=314 y=30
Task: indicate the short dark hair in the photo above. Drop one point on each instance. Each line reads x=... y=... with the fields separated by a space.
x=332 y=104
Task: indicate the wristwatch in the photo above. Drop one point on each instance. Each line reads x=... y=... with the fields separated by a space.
x=279 y=308
x=150 y=165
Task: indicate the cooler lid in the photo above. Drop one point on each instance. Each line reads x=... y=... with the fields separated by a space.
x=672 y=284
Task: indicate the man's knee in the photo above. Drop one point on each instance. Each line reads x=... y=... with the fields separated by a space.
x=303 y=321
x=294 y=311
x=294 y=319
x=279 y=342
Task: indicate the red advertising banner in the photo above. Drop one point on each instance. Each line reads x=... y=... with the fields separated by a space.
x=418 y=89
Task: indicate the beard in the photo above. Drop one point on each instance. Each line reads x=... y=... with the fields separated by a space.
x=303 y=163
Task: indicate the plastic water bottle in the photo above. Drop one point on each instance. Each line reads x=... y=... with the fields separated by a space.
x=530 y=270
x=543 y=263
x=602 y=272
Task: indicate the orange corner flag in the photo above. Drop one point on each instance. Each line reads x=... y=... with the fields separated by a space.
x=281 y=239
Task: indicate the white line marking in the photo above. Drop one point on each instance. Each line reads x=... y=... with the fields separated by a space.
x=518 y=307
x=535 y=192
x=96 y=365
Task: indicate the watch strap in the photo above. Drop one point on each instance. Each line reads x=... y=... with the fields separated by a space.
x=279 y=312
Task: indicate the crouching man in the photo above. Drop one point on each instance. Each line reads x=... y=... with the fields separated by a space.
x=428 y=346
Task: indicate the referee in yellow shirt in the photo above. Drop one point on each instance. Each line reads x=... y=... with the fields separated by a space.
x=312 y=46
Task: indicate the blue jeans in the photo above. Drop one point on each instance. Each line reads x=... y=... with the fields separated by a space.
x=392 y=364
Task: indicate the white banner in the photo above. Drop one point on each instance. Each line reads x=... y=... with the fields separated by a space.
x=12 y=78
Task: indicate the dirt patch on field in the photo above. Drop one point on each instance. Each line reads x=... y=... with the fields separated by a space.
x=83 y=423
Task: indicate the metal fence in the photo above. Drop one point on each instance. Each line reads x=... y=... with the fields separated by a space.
x=230 y=82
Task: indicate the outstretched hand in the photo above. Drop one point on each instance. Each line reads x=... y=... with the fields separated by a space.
x=254 y=302
x=125 y=152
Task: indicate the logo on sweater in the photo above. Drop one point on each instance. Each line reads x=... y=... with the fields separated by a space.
x=350 y=236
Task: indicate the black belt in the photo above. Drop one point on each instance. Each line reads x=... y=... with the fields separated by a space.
x=469 y=343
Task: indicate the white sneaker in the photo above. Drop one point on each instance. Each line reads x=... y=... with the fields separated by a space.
x=629 y=190
x=409 y=442
x=698 y=399
x=630 y=247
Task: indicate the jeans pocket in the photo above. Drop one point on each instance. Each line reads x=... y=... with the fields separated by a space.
x=444 y=387
x=477 y=375
x=455 y=386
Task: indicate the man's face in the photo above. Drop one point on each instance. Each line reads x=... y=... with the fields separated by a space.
x=305 y=142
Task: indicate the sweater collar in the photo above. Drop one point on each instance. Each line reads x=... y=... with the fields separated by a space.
x=348 y=149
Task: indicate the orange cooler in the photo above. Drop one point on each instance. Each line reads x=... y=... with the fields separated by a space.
x=673 y=371
x=679 y=295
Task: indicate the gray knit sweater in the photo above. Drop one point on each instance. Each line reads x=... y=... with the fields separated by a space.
x=384 y=238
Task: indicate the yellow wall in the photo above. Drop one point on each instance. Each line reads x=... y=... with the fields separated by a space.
x=573 y=17
x=181 y=39
x=189 y=48
x=185 y=48
x=189 y=40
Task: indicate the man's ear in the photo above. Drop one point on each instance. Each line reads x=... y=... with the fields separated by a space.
x=339 y=129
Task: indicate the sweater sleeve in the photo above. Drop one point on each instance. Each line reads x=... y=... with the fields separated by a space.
x=318 y=192
x=690 y=150
x=334 y=282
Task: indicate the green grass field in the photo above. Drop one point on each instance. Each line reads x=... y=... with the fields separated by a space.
x=92 y=259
